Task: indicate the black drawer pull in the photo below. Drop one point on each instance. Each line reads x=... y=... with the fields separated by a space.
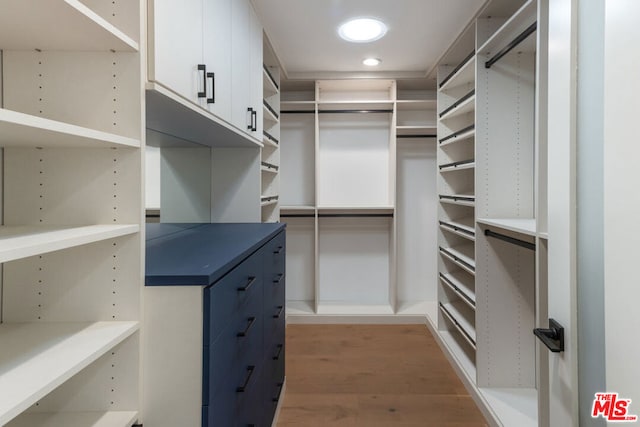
x=277 y=356
x=279 y=279
x=277 y=398
x=244 y=333
x=246 y=287
x=243 y=387
x=212 y=76
x=278 y=251
x=279 y=313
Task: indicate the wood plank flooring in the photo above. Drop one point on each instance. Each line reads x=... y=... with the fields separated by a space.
x=373 y=376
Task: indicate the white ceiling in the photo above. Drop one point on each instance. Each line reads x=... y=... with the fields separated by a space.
x=304 y=35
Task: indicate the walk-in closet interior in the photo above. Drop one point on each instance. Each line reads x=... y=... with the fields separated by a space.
x=182 y=180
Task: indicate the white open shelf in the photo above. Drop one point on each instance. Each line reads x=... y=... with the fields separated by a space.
x=267 y=84
x=413 y=308
x=465 y=75
x=300 y=308
x=24 y=130
x=268 y=142
x=446 y=310
x=416 y=104
x=513 y=27
x=466 y=363
x=464 y=136
x=171 y=114
x=264 y=168
x=75 y=419
x=291 y=208
x=268 y=202
x=462 y=227
x=345 y=309
x=462 y=256
x=29 y=26
x=18 y=242
x=457 y=281
x=416 y=130
x=38 y=357
x=461 y=313
x=356 y=209
x=463 y=166
x=466 y=106
x=268 y=115
x=355 y=105
x=519 y=225
x=458 y=199
x=297 y=105
x=513 y=406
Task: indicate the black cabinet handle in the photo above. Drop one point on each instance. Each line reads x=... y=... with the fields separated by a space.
x=244 y=386
x=244 y=333
x=203 y=68
x=212 y=76
x=278 y=251
x=553 y=337
x=279 y=313
x=250 y=283
x=277 y=356
x=277 y=398
x=250 y=126
x=254 y=120
x=279 y=279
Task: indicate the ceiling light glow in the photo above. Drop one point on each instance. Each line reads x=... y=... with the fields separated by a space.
x=371 y=62
x=362 y=30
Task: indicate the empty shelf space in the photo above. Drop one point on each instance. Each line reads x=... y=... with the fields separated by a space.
x=413 y=308
x=519 y=225
x=457 y=166
x=458 y=199
x=268 y=200
x=465 y=134
x=463 y=227
x=519 y=22
x=269 y=139
x=513 y=406
x=330 y=308
x=293 y=107
x=456 y=312
x=423 y=130
x=18 y=242
x=384 y=106
x=464 y=105
x=269 y=84
x=416 y=105
x=462 y=256
x=75 y=419
x=463 y=74
x=459 y=283
x=24 y=130
x=38 y=357
x=171 y=114
x=269 y=113
x=355 y=211
x=77 y=27
x=300 y=308
x=465 y=360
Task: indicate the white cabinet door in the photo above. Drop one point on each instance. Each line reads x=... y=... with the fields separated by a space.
x=175 y=46
x=241 y=64
x=217 y=56
x=256 y=71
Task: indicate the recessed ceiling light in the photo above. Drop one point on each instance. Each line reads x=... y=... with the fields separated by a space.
x=362 y=30
x=372 y=62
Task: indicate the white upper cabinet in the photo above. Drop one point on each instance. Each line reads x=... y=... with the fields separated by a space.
x=210 y=53
x=176 y=46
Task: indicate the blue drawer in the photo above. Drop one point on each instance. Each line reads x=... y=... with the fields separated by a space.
x=274 y=256
x=226 y=297
x=235 y=408
x=239 y=345
x=273 y=378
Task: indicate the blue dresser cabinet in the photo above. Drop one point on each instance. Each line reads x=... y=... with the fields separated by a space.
x=241 y=269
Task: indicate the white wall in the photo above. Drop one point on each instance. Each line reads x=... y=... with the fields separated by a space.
x=152 y=177
x=622 y=198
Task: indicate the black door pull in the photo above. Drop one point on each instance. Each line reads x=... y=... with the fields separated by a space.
x=244 y=386
x=250 y=125
x=244 y=333
x=212 y=76
x=249 y=283
x=203 y=68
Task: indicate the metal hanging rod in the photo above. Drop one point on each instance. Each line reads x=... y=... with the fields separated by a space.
x=298 y=112
x=356 y=215
x=509 y=239
x=266 y=69
x=458 y=102
x=458 y=133
x=416 y=136
x=297 y=215
x=456 y=198
x=353 y=111
x=523 y=35
x=455 y=70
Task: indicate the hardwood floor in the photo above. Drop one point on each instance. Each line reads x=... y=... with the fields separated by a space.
x=373 y=376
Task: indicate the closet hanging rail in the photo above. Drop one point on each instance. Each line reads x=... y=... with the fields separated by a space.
x=512 y=240
x=526 y=33
x=297 y=215
x=416 y=136
x=457 y=134
x=458 y=102
x=355 y=215
x=353 y=111
x=455 y=70
x=457 y=198
x=298 y=112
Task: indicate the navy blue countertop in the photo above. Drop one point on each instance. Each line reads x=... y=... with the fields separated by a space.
x=200 y=254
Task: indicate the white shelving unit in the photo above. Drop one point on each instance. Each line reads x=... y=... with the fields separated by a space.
x=270 y=153
x=72 y=196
